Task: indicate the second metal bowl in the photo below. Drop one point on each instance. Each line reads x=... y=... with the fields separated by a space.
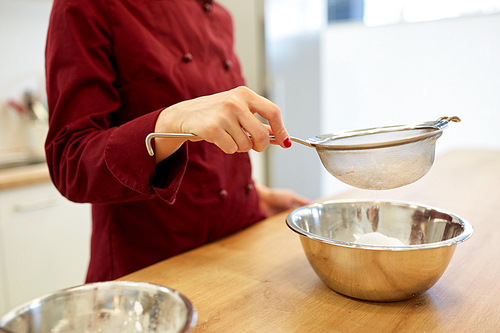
x=117 y=306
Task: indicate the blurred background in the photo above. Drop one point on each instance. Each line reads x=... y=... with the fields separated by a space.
x=348 y=64
x=331 y=65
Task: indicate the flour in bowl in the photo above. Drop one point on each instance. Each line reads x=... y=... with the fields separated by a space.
x=376 y=238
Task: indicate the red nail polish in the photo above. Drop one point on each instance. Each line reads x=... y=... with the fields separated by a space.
x=287 y=143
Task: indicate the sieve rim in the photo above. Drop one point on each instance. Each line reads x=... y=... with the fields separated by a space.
x=373 y=145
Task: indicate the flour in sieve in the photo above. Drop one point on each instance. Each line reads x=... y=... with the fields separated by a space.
x=386 y=175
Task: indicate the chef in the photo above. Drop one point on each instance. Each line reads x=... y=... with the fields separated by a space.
x=118 y=70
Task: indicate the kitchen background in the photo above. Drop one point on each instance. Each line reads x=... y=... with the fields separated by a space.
x=330 y=65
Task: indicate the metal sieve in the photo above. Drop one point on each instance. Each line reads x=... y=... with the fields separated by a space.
x=379 y=158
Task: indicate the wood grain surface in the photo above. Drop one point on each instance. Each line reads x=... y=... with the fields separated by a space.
x=260 y=281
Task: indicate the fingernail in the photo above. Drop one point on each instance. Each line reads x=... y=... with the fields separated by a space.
x=287 y=143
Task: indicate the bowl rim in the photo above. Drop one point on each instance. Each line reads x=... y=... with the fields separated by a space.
x=466 y=234
x=192 y=315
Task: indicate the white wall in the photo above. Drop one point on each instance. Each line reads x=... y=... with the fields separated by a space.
x=293 y=31
x=248 y=20
x=294 y=72
x=368 y=76
x=377 y=76
x=23 y=29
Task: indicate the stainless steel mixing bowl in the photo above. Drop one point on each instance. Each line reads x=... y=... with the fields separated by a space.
x=328 y=232
x=117 y=306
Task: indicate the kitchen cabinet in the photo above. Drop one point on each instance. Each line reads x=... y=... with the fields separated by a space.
x=44 y=243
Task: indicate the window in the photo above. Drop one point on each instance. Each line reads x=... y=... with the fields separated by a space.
x=382 y=12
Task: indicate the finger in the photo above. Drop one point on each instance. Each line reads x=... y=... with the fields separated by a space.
x=237 y=116
x=233 y=122
x=226 y=143
x=301 y=201
x=220 y=137
x=272 y=113
x=257 y=131
x=272 y=139
x=242 y=140
x=228 y=135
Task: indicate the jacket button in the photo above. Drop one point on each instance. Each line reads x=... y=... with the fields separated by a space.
x=249 y=188
x=228 y=64
x=207 y=7
x=187 y=57
x=223 y=194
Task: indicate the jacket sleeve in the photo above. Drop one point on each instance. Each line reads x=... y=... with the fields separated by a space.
x=91 y=158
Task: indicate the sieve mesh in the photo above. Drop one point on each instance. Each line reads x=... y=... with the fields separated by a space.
x=386 y=167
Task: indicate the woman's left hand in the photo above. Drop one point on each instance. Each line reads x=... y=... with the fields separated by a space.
x=274 y=201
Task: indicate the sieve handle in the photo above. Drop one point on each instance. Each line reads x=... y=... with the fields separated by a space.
x=454 y=119
x=443 y=122
x=150 y=136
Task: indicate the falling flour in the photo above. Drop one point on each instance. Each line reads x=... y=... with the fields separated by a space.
x=376 y=238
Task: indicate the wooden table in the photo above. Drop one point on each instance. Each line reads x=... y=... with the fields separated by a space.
x=260 y=281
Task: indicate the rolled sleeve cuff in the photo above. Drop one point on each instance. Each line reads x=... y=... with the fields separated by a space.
x=129 y=162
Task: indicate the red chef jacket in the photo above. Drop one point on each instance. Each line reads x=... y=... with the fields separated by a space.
x=111 y=66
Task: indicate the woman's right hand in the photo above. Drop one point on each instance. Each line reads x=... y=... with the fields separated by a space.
x=225 y=119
